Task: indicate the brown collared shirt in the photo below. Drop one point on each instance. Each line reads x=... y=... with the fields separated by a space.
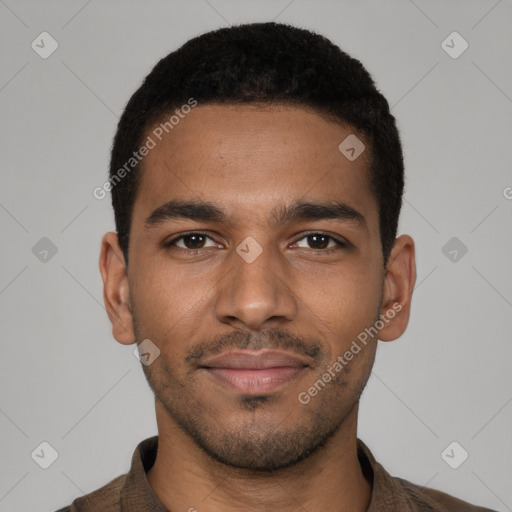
x=131 y=492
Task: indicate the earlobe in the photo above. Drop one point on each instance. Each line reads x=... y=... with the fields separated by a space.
x=116 y=293
x=398 y=288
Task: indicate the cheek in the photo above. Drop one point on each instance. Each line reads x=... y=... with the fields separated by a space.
x=341 y=307
x=168 y=302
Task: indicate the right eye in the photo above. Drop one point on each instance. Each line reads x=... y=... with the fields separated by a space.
x=191 y=241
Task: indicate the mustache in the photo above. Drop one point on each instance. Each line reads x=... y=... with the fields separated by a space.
x=268 y=339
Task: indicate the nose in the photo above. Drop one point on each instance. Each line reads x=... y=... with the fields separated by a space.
x=255 y=294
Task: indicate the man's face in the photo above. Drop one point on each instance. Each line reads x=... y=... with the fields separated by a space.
x=289 y=287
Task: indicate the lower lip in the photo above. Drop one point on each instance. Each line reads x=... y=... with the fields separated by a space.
x=255 y=382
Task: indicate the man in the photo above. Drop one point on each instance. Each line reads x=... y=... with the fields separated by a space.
x=256 y=180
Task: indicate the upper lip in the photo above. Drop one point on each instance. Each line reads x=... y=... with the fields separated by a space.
x=255 y=360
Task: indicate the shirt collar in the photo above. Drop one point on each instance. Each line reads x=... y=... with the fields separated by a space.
x=137 y=495
x=386 y=493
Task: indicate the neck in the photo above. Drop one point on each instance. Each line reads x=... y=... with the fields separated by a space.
x=185 y=478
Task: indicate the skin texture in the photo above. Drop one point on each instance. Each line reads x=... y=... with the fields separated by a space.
x=220 y=449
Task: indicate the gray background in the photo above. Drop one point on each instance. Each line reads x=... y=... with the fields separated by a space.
x=64 y=380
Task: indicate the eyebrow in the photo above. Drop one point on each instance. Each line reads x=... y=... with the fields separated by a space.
x=299 y=211
x=305 y=210
x=193 y=210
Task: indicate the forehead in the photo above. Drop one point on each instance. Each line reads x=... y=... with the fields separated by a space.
x=252 y=157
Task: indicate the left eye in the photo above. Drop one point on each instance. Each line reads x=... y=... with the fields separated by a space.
x=320 y=241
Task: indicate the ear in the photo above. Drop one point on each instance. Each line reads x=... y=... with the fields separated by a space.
x=116 y=293
x=398 y=287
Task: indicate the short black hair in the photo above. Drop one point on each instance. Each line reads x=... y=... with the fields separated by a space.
x=271 y=63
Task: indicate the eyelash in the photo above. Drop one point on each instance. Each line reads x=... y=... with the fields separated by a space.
x=171 y=243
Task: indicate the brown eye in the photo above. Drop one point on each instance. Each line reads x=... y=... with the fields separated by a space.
x=194 y=241
x=319 y=241
x=191 y=241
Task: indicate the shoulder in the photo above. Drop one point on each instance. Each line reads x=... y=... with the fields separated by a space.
x=391 y=493
x=427 y=499
x=106 y=498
